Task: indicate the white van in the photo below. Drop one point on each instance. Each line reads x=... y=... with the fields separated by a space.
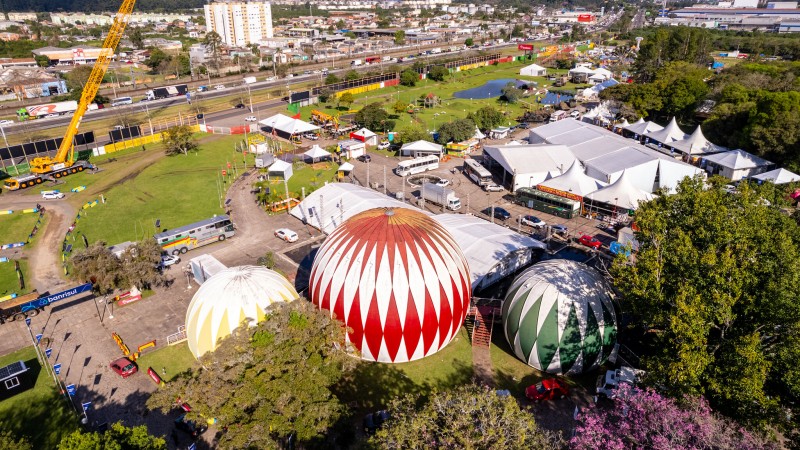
x=122 y=101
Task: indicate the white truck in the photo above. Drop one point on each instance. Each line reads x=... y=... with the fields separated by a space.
x=436 y=51
x=607 y=383
x=440 y=195
x=355 y=62
x=249 y=80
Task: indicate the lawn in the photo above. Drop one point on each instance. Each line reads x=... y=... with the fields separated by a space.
x=178 y=190
x=41 y=413
x=451 y=108
x=17 y=226
x=9 y=284
x=510 y=372
x=172 y=359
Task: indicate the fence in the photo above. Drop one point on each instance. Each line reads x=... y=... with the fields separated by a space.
x=350 y=84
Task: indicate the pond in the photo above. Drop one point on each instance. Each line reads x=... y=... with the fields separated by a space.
x=488 y=90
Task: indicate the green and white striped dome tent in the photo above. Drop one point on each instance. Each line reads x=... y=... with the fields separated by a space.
x=558 y=317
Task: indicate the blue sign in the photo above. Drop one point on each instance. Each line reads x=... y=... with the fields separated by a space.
x=48 y=352
x=38 y=338
x=193 y=446
x=57 y=369
x=86 y=406
x=28 y=321
x=41 y=302
x=71 y=389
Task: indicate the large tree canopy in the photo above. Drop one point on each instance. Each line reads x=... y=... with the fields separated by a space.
x=468 y=417
x=716 y=284
x=118 y=437
x=266 y=383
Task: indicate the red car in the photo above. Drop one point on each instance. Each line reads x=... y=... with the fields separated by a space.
x=124 y=367
x=590 y=241
x=549 y=389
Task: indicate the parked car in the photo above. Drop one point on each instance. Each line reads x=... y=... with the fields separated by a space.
x=189 y=426
x=286 y=234
x=384 y=145
x=559 y=229
x=169 y=260
x=373 y=421
x=124 y=367
x=272 y=78
x=202 y=89
x=492 y=187
x=590 y=241
x=251 y=119
x=443 y=182
x=524 y=125
x=219 y=87
x=549 y=389
x=6 y=122
x=52 y=195
x=239 y=106
x=364 y=158
x=532 y=221
x=311 y=136
x=499 y=213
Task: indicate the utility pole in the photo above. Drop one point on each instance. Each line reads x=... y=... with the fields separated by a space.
x=384 y=180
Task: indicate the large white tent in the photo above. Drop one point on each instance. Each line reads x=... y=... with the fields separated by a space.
x=671 y=133
x=642 y=127
x=280 y=168
x=696 y=144
x=529 y=165
x=736 y=164
x=622 y=194
x=316 y=152
x=777 y=176
x=534 y=70
x=574 y=181
x=285 y=126
x=421 y=148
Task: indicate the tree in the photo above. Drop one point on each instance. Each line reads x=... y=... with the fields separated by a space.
x=179 y=140
x=438 y=73
x=213 y=42
x=136 y=37
x=399 y=106
x=98 y=265
x=511 y=93
x=466 y=417
x=78 y=76
x=399 y=37
x=715 y=287
x=456 y=131
x=116 y=437
x=331 y=78
x=469 y=42
x=372 y=116
x=42 y=61
x=645 y=419
x=268 y=382
x=157 y=58
x=486 y=118
x=517 y=31
x=324 y=95
x=351 y=75
x=409 y=78
x=411 y=133
x=347 y=98
x=140 y=265
x=10 y=442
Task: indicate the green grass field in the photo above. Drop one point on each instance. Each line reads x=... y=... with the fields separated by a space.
x=9 y=283
x=178 y=190
x=451 y=108
x=41 y=413
x=175 y=359
x=16 y=227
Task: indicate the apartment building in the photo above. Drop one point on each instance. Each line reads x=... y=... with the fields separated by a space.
x=240 y=22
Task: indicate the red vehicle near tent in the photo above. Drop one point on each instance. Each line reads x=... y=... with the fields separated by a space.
x=549 y=389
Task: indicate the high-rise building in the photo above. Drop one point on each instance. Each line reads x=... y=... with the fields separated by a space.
x=240 y=23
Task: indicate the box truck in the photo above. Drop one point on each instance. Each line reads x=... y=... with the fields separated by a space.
x=166 y=92
x=440 y=195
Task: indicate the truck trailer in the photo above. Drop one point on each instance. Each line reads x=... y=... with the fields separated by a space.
x=29 y=305
x=167 y=92
x=51 y=109
x=440 y=195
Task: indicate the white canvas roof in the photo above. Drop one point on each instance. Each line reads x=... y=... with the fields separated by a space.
x=581 y=69
x=334 y=203
x=421 y=146
x=778 y=176
x=486 y=245
x=737 y=159
x=621 y=193
x=575 y=181
x=671 y=133
x=279 y=166
x=346 y=167
x=696 y=144
x=287 y=124
x=316 y=152
x=642 y=127
x=527 y=159
x=365 y=133
x=623 y=124
x=605 y=72
x=532 y=69
x=478 y=134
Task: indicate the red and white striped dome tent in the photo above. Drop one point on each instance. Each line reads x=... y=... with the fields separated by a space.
x=397 y=279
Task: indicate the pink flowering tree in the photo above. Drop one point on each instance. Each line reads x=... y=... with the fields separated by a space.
x=639 y=419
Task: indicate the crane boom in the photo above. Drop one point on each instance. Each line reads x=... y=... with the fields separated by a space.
x=65 y=153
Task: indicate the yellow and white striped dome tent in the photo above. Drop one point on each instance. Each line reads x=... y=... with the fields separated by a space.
x=230 y=297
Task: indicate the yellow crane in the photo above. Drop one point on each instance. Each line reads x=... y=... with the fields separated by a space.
x=63 y=162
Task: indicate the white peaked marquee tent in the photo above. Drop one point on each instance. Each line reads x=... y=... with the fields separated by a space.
x=574 y=181
x=671 y=133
